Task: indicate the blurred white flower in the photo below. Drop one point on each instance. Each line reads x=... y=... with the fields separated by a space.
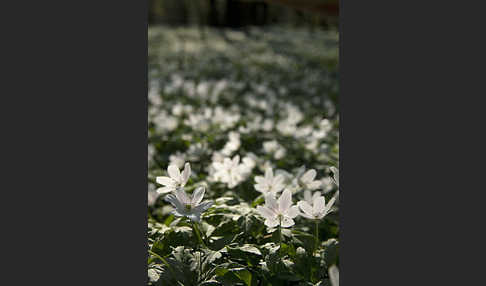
x=153 y=94
x=286 y=128
x=274 y=148
x=318 y=209
x=190 y=207
x=279 y=212
x=230 y=171
x=306 y=180
x=225 y=119
x=177 y=159
x=269 y=184
x=152 y=195
x=327 y=184
x=267 y=125
x=175 y=180
x=232 y=145
x=165 y=122
x=197 y=151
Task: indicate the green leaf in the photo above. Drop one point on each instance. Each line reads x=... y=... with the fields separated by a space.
x=244 y=275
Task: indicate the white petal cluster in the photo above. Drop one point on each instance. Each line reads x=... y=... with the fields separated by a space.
x=230 y=171
x=269 y=184
x=275 y=149
x=175 y=180
x=177 y=159
x=190 y=207
x=306 y=179
x=232 y=145
x=315 y=207
x=279 y=212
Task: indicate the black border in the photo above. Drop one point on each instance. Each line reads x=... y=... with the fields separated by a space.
x=75 y=142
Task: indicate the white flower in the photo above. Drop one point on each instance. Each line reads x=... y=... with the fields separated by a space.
x=177 y=159
x=318 y=210
x=232 y=145
x=230 y=171
x=165 y=123
x=306 y=180
x=175 y=180
x=273 y=147
x=310 y=198
x=279 y=211
x=190 y=207
x=269 y=184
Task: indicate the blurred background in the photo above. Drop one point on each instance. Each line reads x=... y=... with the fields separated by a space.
x=244 y=13
x=285 y=49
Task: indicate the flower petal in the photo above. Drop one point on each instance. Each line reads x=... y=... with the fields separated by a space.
x=163 y=180
x=319 y=205
x=285 y=201
x=197 y=196
x=271 y=202
x=165 y=190
x=174 y=202
x=259 y=179
x=266 y=212
x=293 y=212
x=202 y=207
x=174 y=172
x=271 y=222
x=287 y=222
x=314 y=185
x=335 y=175
x=307 y=196
x=269 y=175
x=330 y=204
x=182 y=196
x=186 y=173
x=309 y=176
x=307 y=216
x=305 y=207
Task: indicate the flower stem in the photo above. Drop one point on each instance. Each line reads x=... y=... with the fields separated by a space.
x=317 y=235
x=198 y=234
x=280 y=232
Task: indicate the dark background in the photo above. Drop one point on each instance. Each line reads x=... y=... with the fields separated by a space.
x=243 y=13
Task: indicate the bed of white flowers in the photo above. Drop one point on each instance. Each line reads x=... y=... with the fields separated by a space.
x=243 y=157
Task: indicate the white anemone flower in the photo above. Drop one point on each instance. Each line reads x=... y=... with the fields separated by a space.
x=310 y=198
x=318 y=209
x=269 y=184
x=230 y=171
x=175 y=180
x=279 y=212
x=190 y=207
x=306 y=180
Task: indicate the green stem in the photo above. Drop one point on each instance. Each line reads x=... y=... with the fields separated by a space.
x=317 y=235
x=280 y=232
x=198 y=234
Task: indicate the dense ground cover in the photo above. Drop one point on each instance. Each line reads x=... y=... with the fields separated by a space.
x=243 y=157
